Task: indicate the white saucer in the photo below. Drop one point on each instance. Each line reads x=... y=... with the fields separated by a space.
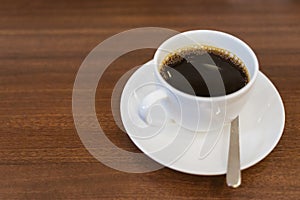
x=261 y=126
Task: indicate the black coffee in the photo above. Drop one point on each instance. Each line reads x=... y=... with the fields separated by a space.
x=204 y=71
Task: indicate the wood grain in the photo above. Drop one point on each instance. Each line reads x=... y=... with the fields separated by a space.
x=42 y=45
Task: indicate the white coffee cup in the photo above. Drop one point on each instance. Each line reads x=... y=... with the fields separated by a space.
x=190 y=111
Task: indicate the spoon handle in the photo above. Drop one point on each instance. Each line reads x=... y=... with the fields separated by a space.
x=233 y=176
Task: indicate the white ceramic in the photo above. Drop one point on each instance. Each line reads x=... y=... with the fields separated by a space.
x=200 y=113
x=261 y=126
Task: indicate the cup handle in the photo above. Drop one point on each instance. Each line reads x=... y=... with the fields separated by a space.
x=150 y=100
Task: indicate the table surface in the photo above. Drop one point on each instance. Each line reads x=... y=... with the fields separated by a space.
x=43 y=44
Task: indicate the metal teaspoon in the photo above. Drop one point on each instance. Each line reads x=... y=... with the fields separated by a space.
x=233 y=176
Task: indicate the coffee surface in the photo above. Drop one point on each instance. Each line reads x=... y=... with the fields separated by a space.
x=205 y=71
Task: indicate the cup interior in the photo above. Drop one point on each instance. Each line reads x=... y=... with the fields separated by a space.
x=210 y=38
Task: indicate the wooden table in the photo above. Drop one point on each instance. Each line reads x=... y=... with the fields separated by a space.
x=43 y=43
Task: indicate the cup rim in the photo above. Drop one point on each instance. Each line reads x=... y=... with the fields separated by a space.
x=217 y=98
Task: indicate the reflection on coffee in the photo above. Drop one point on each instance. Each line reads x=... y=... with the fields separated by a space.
x=195 y=70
